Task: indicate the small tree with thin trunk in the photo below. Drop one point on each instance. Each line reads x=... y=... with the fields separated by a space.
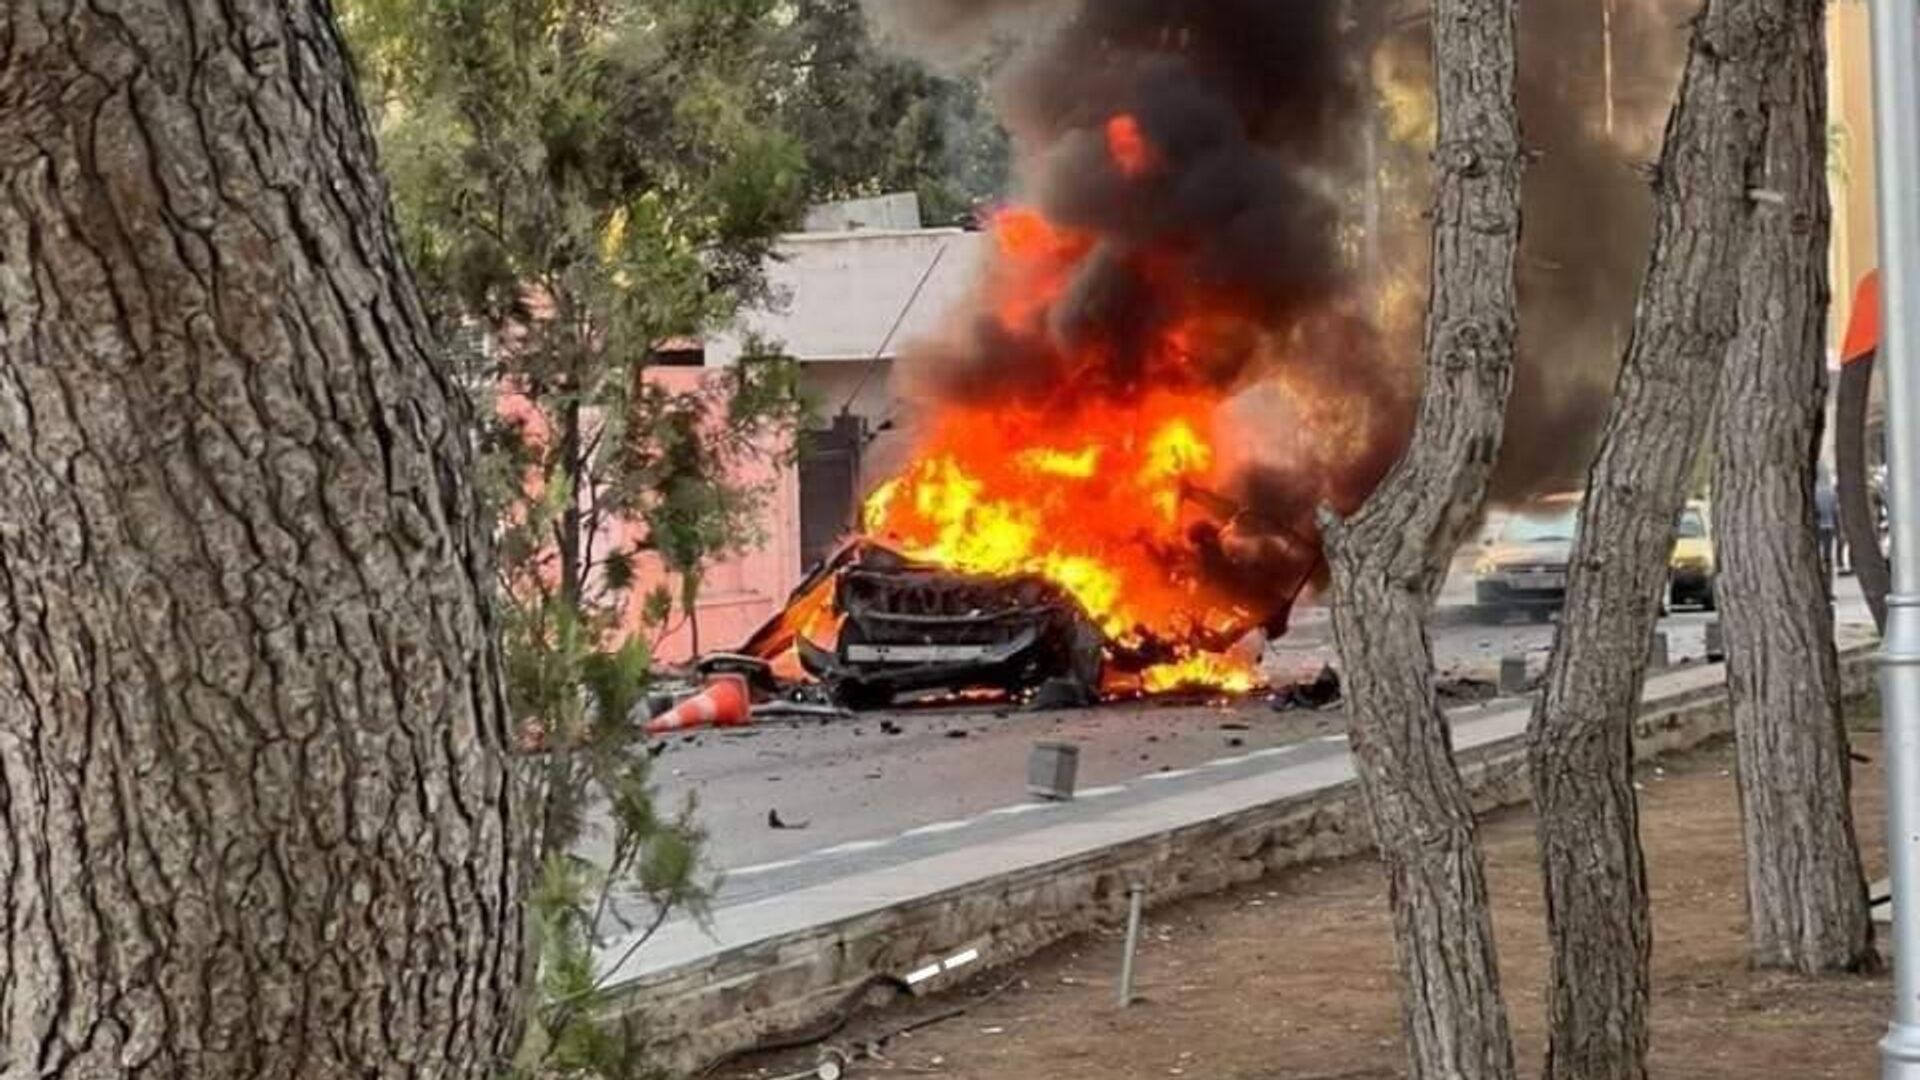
x=1806 y=897
x=256 y=813
x=1581 y=756
x=1390 y=559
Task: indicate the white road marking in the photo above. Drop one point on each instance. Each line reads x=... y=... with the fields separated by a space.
x=1101 y=792
x=762 y=868
x=857 y=845
x=1173 y=774
x=939 y=827
x=923 y=974
x=961 y=959
x=1217 y=763
x=1019 y=808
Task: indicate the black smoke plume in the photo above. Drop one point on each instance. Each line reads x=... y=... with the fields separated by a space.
x=1249 y=110
x=1597 y=78
x=1258 y=111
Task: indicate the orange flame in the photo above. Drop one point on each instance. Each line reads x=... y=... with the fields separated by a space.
x=1128 y=146
x=1202 y=669
x=1099 y=487
x=1092 y=500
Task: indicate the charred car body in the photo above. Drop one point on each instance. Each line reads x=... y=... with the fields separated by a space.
x=900 y=627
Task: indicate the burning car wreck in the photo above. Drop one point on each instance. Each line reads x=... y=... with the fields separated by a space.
x=901 y=627
x=1123 y=434
x=873 y=625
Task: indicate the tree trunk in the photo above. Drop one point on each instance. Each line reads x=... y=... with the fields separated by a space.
x=256 y=817
x=573 y=518
x=1582 y=733
x=1389 y=560
x=1806 y=898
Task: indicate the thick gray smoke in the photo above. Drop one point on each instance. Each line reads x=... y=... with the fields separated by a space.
x=1247 y=108
x=1199 y=156
x=1256 y=114
x=1588 y=220
x=1587 y=217
x=1597 y=80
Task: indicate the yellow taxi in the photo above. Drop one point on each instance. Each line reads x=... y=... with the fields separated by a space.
x=1690 y=570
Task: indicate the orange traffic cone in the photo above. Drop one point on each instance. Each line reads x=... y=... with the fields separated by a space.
x=722 y=704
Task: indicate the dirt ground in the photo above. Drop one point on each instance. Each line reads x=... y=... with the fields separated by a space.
x=1291 y=978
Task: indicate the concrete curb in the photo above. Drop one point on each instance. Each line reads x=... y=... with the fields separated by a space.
x=739 y=997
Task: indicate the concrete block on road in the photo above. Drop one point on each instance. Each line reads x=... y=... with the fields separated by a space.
x=1052 y=769
x=1513 y=674
x=1716 y=641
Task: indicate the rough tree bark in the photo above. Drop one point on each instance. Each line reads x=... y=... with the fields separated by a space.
x=1806 y=897
x=1389 y=560
x=256 y=817
x=1581 y=757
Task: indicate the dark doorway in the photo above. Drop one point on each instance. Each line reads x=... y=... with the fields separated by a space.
x=829 y=486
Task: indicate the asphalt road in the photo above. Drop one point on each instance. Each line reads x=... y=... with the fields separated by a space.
x=850 y=782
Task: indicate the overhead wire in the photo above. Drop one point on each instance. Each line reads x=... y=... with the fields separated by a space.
x=899 y=320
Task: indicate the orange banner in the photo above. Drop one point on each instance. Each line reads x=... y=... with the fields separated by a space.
x=1863 y=328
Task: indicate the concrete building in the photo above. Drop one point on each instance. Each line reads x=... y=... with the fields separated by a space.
x=1856 y=244
x=1850 y=105
x=861 y=284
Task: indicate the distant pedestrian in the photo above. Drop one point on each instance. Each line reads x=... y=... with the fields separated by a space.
x=1826 y=521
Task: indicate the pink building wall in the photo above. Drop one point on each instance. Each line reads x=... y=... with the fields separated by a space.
x=854 y=298
x=739 y=593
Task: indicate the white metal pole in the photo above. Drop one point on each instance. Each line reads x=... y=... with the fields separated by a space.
x=1136 y=899
x=1896 y=97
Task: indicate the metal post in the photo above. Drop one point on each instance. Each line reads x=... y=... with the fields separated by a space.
x=1896 y=87
x=1136 y=899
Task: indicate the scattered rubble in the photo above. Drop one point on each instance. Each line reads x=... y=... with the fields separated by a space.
x=804 y=710
x=1321 y=693
x=774 y=822
x=1063 y=693
x=1465 y=690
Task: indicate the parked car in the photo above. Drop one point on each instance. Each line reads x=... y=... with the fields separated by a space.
x=1524 y=567
x=1690 y=571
